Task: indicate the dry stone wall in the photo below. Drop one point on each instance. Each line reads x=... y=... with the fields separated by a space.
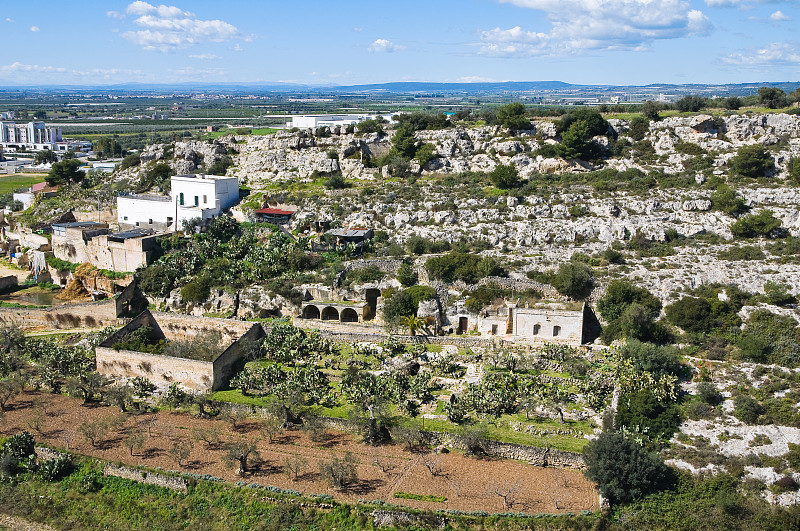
x=149 y=478
x=90 y=314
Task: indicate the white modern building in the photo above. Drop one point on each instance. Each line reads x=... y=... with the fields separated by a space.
x=312 y=121
x=33 y=135
x=191 y=197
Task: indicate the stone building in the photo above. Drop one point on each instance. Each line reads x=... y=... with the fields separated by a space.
x=553 y=322
x=193 y=375
x=94 y=243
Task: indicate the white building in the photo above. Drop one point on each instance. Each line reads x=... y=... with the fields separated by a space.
x=33 y=135
x=191 y=197
x=312 y=121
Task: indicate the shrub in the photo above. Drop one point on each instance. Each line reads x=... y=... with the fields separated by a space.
x=505 y=176
x=692 y=314
x=20 y=446
x=620 y=294
x=708 y=393
x=747 y=409
x=406 y=275
x=726 y=199
x=462 y=266
x=643 y=410
x=575 y=280
x=763 y=224
x=752 y=161
x=53 y=469
x=339 y=471
x=622 y=469
x=772 y=97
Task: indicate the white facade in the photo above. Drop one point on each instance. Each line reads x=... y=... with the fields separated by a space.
x=312 y=121
x=33 y=135
x=191 y=197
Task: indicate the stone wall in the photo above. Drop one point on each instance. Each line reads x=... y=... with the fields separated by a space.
x=161 y=370
x=90 y=314
x=194 y=375
x=150 y=478
x=384 y=264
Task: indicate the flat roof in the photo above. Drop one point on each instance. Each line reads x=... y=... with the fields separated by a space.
x=128 y=234
x=80 y=224
x=274 y=211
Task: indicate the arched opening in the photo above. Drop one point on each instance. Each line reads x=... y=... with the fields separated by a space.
x=556 y=331
x=537 y=328
x=349 y=315
x=330 y=314
x=463 y=325
x=311 y=312
x=371 y=297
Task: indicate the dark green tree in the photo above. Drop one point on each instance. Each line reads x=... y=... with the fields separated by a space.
x=650 y=110
x=622 y=469
x=772 y=97
x=762 y=224
x=752 y=161
x=505 y=176
x=726 y=199
x=45 y=156
x=620 y=294
x=573 y=279
x=513 y=117
x=65 y=172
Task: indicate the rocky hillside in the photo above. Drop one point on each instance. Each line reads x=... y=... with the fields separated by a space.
x=655 y=184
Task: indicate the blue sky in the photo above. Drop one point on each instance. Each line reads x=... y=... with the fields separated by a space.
x=349 y=42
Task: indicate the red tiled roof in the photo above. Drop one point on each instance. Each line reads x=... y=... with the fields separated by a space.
x=274 y=212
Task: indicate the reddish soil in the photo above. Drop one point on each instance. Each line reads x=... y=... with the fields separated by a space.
x=469 y=484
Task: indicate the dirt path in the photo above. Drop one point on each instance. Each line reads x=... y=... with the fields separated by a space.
x=469 y=484
x=7 y=270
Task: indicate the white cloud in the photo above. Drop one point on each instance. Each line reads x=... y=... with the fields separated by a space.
x=9 y=19
x=34 y=28
x=771 y=55
x=20 y=67
x=778 y=16
x=204 y=56
x=384 y=46
x=741 y=4
x=114 y=14
x=475 y=79
x=191 y=72
x=168 y=28
x=580 y=25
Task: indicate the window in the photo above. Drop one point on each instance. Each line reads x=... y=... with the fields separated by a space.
x=494 y=330
x=556 y=331
x=536 y=329
x=205 y=199
x=181 y=198
x=150 y=221
x=196 y=201
x=125 y=218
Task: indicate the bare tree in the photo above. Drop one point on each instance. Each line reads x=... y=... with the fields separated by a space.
x=433 y=464
x=508 y=493
x=339 y=471
x=315 y=429
x=271 y=427
x=385 y=466
x=293 y=466
x=181 y=450
x=8 y=389
x=412 y=437
x=134 y=441
x=36 y=421
x=209 y=436
x=235 y=416
x=94 y=432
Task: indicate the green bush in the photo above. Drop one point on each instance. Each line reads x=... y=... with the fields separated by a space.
x=462 y=266
x=763 y=224
x=622 y=469
x=406 y=276
x=505 y=176
x=725 y=199
x=575 y=280
x=620 y=294
x=644 y=411
x=420 y=293
x=747 y=409
x=692 y=314
x=752 y=161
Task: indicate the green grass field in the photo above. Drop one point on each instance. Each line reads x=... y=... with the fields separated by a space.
x=11 y=183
